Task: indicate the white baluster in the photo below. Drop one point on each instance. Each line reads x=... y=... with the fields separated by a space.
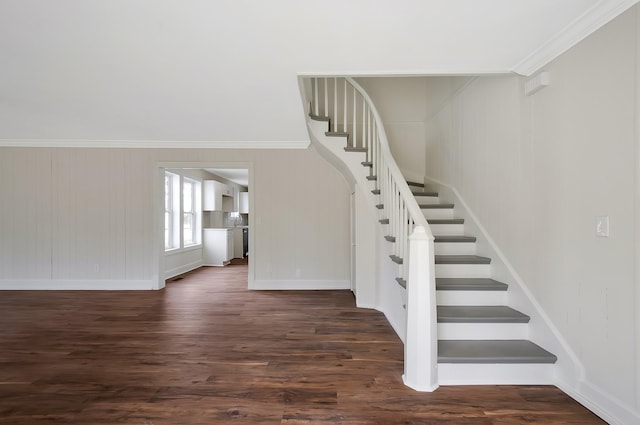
x=369 y=137
x=315 y=96
x=326 y=96
x=353 y=120
x=344 y=123
x=334 y=125
x=364 y=124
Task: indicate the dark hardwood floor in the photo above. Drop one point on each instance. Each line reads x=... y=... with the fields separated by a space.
x=207 y=351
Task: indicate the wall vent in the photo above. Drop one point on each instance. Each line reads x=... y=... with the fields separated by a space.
x=537 y=83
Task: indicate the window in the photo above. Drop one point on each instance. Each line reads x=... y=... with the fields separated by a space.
x=188 y=212
x=171 y=211
x=182 y=216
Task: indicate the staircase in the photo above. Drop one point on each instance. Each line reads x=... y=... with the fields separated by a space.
x=480 y=340
x=479 y=337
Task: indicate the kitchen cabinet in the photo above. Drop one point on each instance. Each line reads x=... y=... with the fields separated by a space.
x=218 y=247
x=243 y=204
x=212 y=195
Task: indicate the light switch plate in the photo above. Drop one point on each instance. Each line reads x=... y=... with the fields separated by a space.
x=602 y=226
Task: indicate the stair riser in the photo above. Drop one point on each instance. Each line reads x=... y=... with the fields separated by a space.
x=471 y=297
x=437 y=213
x=455 y=248
x=463 y=270
x=427 y=199
x=495 y=374
x=478 y=331
x=447 y=229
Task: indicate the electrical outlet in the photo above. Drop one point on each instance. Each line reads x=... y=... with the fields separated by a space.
x=602 y=226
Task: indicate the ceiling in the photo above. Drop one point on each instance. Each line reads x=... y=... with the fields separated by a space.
x=236 y=175
x=186 y=73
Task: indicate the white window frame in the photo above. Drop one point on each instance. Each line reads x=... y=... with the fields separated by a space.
x=172 y=212
x=175 y=213
x=196 y=214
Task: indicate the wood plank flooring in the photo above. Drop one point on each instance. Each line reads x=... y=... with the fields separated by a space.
x=207 y=351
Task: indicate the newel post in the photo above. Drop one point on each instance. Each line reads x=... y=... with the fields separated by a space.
x=421 y=345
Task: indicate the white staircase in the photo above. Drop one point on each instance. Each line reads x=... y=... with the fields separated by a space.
x=480 y=340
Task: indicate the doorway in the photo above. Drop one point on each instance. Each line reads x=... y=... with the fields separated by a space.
x=211 y=199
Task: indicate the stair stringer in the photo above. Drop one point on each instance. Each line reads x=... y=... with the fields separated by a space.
x=383 y=293
x=567 y=371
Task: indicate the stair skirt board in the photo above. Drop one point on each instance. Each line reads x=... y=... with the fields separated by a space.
x=483 y=331
x=495 y=374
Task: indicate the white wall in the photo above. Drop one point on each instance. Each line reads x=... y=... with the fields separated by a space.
x=147 y=70
x=537 y=171
x=400 y=103
x=65 y=210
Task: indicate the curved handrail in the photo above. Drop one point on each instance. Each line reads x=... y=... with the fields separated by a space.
x=409 y=199
x=352 y=114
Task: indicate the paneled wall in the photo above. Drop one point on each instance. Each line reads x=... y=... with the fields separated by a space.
x=537 y=171
x=400 y=103
x=85 y=217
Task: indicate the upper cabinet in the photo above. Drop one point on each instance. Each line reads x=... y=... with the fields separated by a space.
x=212 y=195
x=243 y=203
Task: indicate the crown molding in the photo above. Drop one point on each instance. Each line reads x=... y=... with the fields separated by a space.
x=153 y=144
x=593 y=19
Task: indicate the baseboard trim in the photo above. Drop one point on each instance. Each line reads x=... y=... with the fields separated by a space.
x=76 y=285
x=600 y=403
x=297 y=285
x=182 y=269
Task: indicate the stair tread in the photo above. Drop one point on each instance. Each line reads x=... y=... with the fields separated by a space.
x=354 y=149
x=384 y=221
x=435 y=206
x=336 y=134
x=469 y=284
x=429 y=194
x=462 y=259
x=390 y=238
x=445 y=220
x=319 y=118
x=492 y=351
x=402 y=282
x=416 y=184
x=480 y=314
x=454 y=238
x=376 y=191
x=396 y=259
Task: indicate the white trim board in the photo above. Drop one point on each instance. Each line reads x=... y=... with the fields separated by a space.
x=589 y=22
x=185 y=268
x=304 y=285
x=75 y=285
x=600 y=403
x=151 y=144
